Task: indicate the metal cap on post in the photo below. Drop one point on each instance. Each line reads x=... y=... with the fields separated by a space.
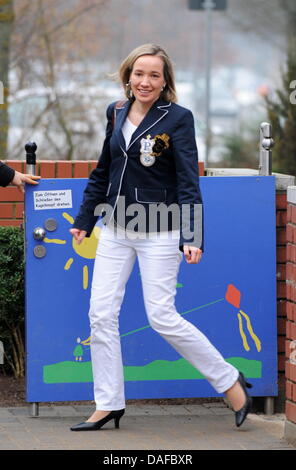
x=31 y=148
x=266 y=143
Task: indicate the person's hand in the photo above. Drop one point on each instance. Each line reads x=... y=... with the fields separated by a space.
x=78 y=234
x=192 y=254
x=21 y=178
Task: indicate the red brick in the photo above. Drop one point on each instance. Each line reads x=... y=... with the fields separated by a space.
x=281 y=200
x=290 y=349
x=6 y=210
x=291 y=411
x=290 y=309
x=19 y=211
x=10 y=222
x=81 y=169
x=281 y=344
x=289 y=390
x=47 y=169
x=291 y=330
x=281 y=218
x=282 y=308
x=11 y=194
x=281 y=289
x=16 y=165
x=93 y=164
x=290 y=371
x=290 y=252
x=294 y=393
x=289 y=212
x=64 y=169
x=281 y=236
x=281 y=326
x=289 y=233
x=281 y=254
x=201 y=168
x=289 y=271
x=293 y=218
x=281 y=269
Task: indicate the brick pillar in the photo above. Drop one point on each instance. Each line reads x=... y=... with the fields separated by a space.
x=290 y=353
x=281 y=248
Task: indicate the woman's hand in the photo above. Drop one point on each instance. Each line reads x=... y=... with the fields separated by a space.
x=192 y=254
x=20 y=178
x=78 y=234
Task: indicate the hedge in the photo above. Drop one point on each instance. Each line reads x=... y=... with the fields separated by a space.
x=12 y=299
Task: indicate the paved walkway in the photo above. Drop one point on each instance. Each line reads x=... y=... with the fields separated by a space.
x=208 y=426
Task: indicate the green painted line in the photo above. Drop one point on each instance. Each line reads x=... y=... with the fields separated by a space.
x=183 y=313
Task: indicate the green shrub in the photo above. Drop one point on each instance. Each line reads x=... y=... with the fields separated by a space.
x=12 y=304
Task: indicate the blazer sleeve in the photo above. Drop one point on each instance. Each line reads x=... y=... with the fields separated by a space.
x=96 y=189
x=6 y=174
x=188 y=190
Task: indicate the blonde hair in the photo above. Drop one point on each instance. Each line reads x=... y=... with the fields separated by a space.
x=169 y=91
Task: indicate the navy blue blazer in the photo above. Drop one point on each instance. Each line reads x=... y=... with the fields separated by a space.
x=172 y=179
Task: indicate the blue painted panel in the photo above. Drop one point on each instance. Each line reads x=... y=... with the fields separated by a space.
x=230 y=296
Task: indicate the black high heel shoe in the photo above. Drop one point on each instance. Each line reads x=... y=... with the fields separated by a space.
x=94 y=426
x=241 y=414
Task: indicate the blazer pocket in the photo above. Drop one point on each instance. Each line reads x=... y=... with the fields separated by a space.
x=108 y=190
x=150 y=195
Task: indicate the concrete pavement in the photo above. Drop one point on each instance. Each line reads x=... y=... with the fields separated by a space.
x=208 y=426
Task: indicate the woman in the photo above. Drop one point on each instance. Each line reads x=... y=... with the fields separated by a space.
x=149 y=157
x=9 y=175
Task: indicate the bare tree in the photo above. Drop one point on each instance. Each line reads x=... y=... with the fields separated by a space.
x=6 y=21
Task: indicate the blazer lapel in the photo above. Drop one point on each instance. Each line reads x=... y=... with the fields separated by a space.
x=157 y=112
x=120 y=116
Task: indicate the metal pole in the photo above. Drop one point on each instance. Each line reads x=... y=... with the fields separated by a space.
x=266 y=143
x=269 y=405
x=31 y=148
x=208 y=5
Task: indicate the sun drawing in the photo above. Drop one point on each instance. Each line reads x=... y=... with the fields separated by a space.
x=87 y=248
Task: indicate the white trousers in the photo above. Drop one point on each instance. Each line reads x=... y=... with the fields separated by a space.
x=159 y=259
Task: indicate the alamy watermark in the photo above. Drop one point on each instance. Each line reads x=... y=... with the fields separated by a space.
x=143 y=222
x=293 y=352
x=1 y=353
x=293 y=94
x=1 y=93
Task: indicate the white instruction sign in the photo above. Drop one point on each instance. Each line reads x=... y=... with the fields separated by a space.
x=60 y=199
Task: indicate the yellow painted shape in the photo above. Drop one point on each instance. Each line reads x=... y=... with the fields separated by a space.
x=88 y=247
x=54 y=240
x=68 y=264
x=68 y=217
x=251 y=331
x=85 y=277
x=241 y=330
x=86 y=342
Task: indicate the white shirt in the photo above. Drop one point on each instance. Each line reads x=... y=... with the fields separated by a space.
x=128 y=129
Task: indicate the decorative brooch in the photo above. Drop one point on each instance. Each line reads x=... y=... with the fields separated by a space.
x=161 y=143
x=151 y=148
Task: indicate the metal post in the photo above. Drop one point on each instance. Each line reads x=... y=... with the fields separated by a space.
x=269 y=405
x=266 y=143
x=34 y=410
x=208 y=6
x=31 y=148
x=265 y=169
